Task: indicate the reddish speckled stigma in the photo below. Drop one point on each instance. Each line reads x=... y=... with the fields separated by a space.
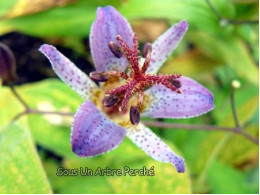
x=136 y=81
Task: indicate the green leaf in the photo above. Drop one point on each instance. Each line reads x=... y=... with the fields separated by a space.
x=238 y=151
x=252 y=180
x=230 y=51
x=192 y=64
x=71 y=20
x=52 y=22
x=212 y=146
x=6 y=5
x=247 y=10
x=226 y=180
x=58 y=21
x=21 y=171
x=197 y=13
x=51 y=131
x=10 y=107
x=165 y=180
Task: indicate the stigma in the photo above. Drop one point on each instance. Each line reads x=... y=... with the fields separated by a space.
x=136 y=81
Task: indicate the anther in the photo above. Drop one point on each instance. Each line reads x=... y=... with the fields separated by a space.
x=134 y=115
x=98 y=76
x=115 y=49
x=146 y=48
x=176 y=83
x=110 y=100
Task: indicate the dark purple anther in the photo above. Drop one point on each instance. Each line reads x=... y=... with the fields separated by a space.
x=115 y=49
x=176 y=83
x=147 y=47
x=7 y=65
x=134 y=115
x=98 y=76
x=110 y=100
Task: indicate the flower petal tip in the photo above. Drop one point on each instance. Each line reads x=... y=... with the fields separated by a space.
x=211 y=99
x=108 y=24
x=179 y=164
x=108 y=8
x=161 y=51
x=68 y=72
x=184 y=25
x=195 y=100
x=45 y=47
x=144 y=138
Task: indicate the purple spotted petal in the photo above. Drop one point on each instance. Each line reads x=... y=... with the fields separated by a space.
x=194 y=100
x=165 y=44
x=93 y=133
x=144 y=138
x=68 y=72
x=109 y=23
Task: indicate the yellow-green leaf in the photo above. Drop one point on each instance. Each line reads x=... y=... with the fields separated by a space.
x=21 y=170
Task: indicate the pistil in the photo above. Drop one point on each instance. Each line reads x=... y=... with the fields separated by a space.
x=136 y=82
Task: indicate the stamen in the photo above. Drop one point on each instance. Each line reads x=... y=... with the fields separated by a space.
x=135 y=51
x=117 y=74
x=131 y=54
x=98 y=76
x=110 y=100
x=104 y=76
x=171 y=87
x=118 y=90
x=125 y=47
x=131 y=90
x=140 y=99
x=136 y=82
x=135 y=42
x=134 y=115
x=115 y=49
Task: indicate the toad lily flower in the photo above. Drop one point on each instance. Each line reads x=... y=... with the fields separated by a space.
x=103 y=120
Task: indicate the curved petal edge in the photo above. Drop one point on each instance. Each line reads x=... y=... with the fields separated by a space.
x=68 y=72
x=195 y=100
x=145 y=139
x=108 y=24
x=93 y=133
x=165 y=44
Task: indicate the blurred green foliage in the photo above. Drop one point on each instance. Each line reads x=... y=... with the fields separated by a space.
x=217 y=162
x=21 y=170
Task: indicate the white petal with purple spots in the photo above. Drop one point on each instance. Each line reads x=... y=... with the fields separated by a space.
x=93 y=133
x=109 y=23
x=144 y=138
x=165 y=44
x=68 y=72
x=195 y=100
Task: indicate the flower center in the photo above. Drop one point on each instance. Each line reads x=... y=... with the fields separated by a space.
x=136 y=81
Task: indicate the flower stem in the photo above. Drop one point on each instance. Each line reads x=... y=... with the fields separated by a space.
x=232 y=99
x=237 y=129
x=18 y=97
x=34 y=111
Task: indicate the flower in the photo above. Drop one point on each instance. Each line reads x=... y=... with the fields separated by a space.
x=102 y=121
